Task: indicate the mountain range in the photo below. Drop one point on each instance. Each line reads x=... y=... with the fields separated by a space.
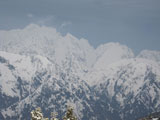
x=39 y=67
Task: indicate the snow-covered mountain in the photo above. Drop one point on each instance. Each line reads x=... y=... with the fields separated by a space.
x=40 y=67
x=28 y=82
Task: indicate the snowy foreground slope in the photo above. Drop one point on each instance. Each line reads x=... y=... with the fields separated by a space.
x=40 y=67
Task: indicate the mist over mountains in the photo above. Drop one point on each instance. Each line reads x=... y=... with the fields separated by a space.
x=40 y=67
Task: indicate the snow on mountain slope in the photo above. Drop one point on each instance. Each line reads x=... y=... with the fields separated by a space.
x=18 y=75
x=129 y=83
x=149 y=54
x=7 y=81
x=54 y=95
x=26 y=65
x=130 y=73
x=139 y=64
x=34 y=81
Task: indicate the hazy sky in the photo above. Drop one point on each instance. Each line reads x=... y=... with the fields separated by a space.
x=135 y=23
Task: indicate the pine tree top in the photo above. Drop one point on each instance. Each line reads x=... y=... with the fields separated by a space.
x=38 y=115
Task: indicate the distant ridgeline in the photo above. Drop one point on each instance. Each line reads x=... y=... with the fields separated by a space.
x=38 y=115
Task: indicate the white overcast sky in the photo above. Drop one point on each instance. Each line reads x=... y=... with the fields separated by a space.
x=135 y=23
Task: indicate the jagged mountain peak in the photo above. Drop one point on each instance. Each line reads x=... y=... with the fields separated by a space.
x=46 y=41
